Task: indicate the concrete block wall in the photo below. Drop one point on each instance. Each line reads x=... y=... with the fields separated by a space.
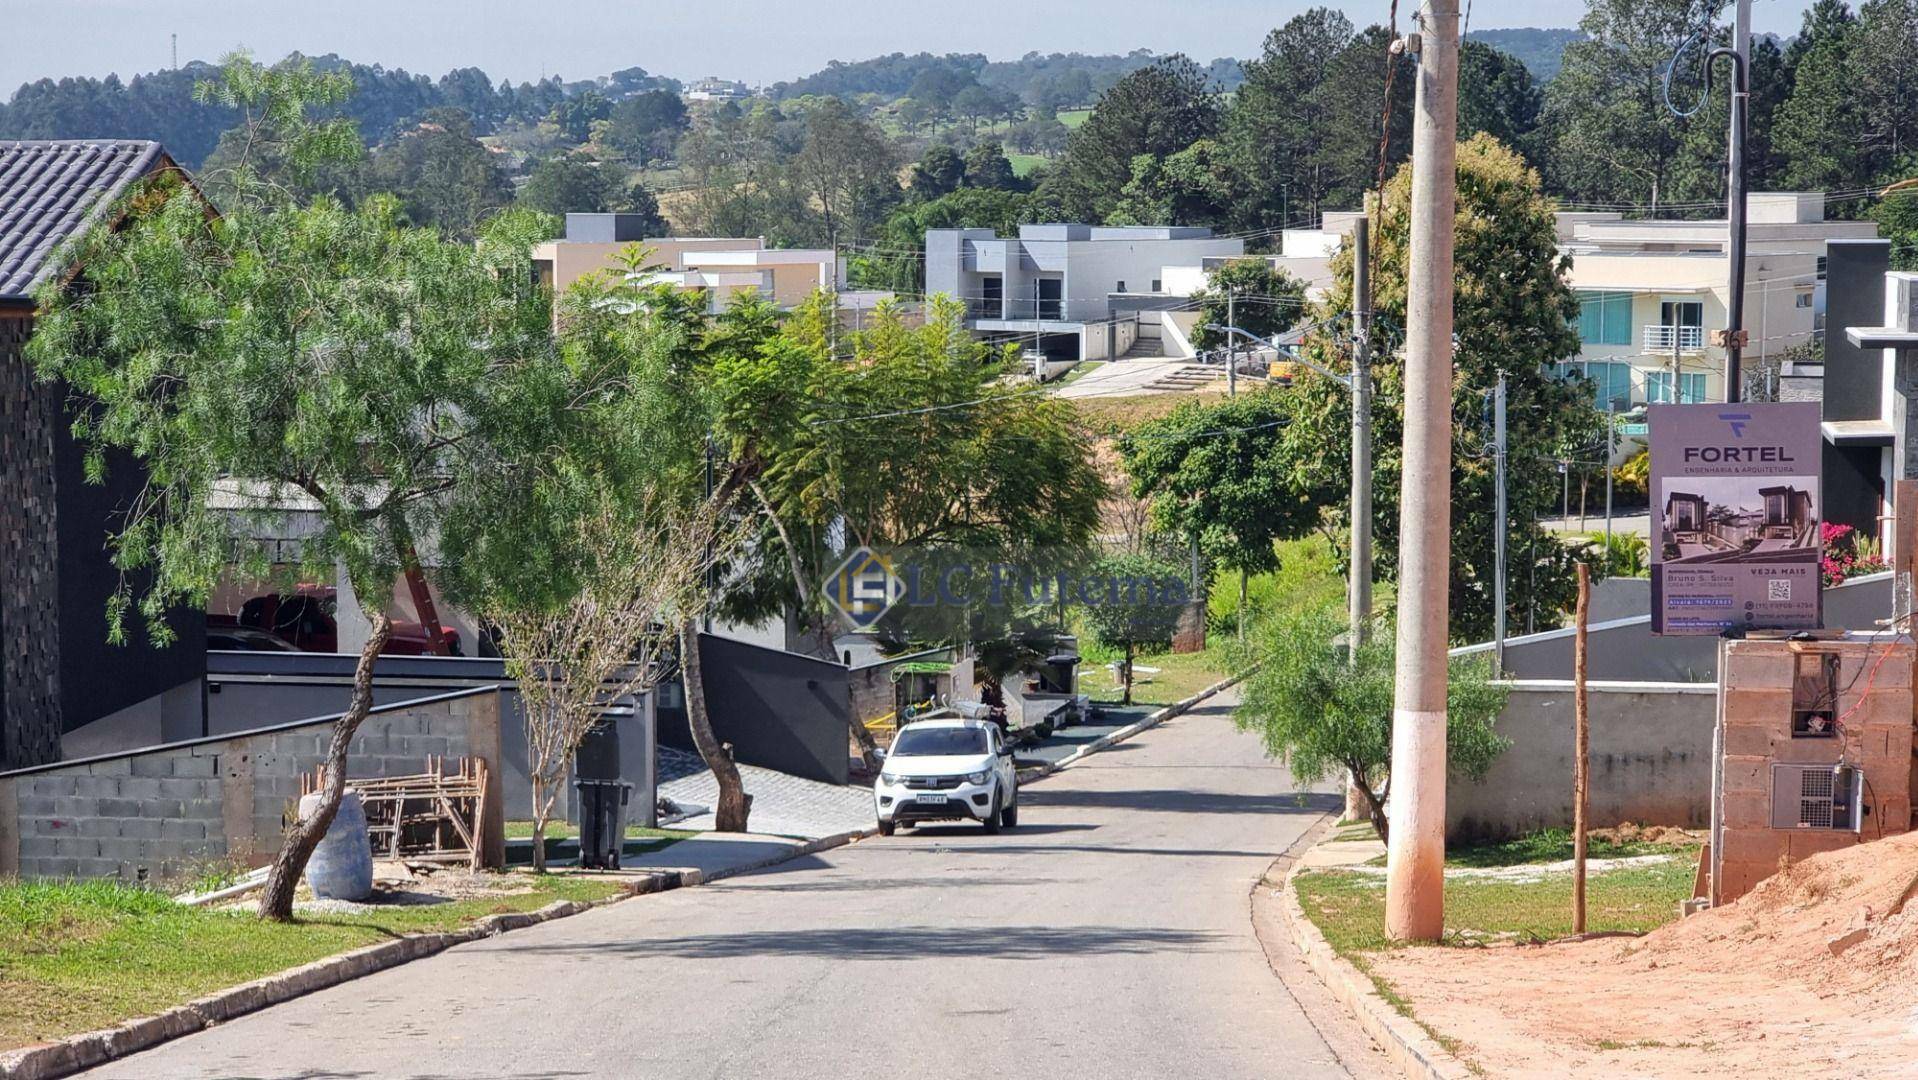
x=1651 y=749
x=1754 y=715
x=162 y=811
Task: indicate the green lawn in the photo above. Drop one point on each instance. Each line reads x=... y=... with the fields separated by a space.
x=1023 y=164
x=1072 y=118
x=1180 y=675
x=76 y=956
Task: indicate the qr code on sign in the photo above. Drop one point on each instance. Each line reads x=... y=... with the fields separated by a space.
x=1778 y=589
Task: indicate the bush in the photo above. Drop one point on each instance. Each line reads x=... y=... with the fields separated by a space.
x=1323 y=717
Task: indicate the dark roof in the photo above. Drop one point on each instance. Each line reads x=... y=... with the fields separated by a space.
x=51 y=190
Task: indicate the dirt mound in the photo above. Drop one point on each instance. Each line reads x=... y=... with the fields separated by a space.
x=1843 y=915
x=1667 y=835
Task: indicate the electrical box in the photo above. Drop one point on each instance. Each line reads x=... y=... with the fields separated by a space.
x=1816 y=797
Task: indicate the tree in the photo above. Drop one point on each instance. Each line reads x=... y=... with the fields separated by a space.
x=939 y=171
x=1156 y=111
x=1611 y=136
x=442 y=175
x=306 y=350
x=1132 y=603
x=276 y=150
x=576 y=115
x=1818 y=128
x=988 y=167
x=646 y=126
x=1251 y=294
x=896 y=260
x=1497 y=95
x=1324 y=715
x=1191 y=187
x=1213 y=474
x=641 y=203
x=846 y=169
x=1042 y=134
x=1897 y=218
x=574 y=183
x=1516 y=315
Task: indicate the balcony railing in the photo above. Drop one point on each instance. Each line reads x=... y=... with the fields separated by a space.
x=1662 y=339
x=1025 y=308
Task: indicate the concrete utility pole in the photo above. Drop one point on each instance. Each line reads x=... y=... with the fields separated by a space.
x=1231 y=344
x=1582 y=743
x=1502 y=530
x=1358 y=591
x=1415 y=860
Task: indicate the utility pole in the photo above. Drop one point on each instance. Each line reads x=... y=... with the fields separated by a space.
x=1231 y=344
x=1734 y=342
x=1358 y=590
x=1415 y=859
x=1501 y=530
x=1611 y=432
x=1582 y=742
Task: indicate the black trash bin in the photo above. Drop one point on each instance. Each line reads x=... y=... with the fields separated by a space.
x=602 y=821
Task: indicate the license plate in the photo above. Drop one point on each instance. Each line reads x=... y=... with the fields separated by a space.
x=928 y=797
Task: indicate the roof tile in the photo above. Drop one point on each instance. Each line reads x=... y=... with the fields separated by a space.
x=50 y=190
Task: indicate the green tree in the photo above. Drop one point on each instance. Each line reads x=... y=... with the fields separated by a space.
x=1191 y=187
x=988 y=167
x=576 y=115
x=646 y=126
x=1818 y=128
x=305 y=351
x=1610 y=135
x=442 y=175
x=1157 y=111
x=845 y=169
x=1131 y=603
x=896 y=259
x=1324 y=714
x=643 y=204
x=575 y=183
x=1251 y=294
x=1496 y=95
x=939 y=171
x=276 y=150
x=1514 y=314
x=1212 y=472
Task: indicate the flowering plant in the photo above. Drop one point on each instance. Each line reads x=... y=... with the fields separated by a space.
x=1846 y=555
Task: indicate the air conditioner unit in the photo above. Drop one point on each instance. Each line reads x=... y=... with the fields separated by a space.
x=1817 y=797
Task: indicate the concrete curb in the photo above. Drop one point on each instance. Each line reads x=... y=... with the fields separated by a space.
x=1417 y=1054
x=1039 y=772
x=85 y=1051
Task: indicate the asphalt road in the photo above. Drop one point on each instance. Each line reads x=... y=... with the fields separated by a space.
x=1109 y=935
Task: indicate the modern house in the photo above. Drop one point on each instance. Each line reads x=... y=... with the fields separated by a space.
x=721 y=267
x=1652 y=293
x=57 y=672
x=1869 y=424
x=1074 y=292
x=714 y=88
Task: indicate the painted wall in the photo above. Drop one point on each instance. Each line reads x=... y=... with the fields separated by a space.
x=1651 y=760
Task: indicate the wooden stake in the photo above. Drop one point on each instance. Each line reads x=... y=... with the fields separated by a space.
x=1582 y=736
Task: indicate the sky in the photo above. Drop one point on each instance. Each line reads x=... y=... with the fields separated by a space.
x=755 y=41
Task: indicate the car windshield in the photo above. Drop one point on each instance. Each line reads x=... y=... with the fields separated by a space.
x=933 y=742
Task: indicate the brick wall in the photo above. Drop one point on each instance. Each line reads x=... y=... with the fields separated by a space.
x=167 y=809
x=1754 y=708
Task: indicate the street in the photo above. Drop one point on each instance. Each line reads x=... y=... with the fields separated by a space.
x=1108 y=935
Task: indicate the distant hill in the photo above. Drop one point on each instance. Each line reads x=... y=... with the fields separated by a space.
x=1540 y=49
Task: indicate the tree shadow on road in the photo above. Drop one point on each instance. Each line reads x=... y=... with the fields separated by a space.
x=905 y=942
x=1185 y=801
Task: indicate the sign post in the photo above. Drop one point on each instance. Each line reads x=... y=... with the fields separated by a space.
x=1735 y=514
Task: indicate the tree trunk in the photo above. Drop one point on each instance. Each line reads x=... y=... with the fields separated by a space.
x=276 y=901
x=1126 y=672
x=1241 y=606
x=542 y=813
x=1374 y=803
x=734 y=804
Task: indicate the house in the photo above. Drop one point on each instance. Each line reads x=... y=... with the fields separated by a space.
x=1871 y=338
x=720 y=266
x=57 y=672
x=1652 y=292
x=714 y=88
x=1076 y=292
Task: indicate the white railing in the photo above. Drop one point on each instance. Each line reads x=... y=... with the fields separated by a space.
x=1660 y=339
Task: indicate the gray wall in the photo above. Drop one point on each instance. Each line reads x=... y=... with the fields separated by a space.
x=1854 y=296
x=1651 y=760
x=780 y=710
x=165 y=809
x=1626 y=650
x=249 y=690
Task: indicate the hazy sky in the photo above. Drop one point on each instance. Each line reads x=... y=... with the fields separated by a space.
x=754 y=40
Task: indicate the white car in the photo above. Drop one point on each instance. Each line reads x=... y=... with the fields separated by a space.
x=947 y=770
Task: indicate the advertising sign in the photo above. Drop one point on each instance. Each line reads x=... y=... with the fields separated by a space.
x=1735 y=508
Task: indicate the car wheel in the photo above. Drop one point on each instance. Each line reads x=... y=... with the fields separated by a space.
x=886 y=828
x=1009 y=817
x=995 y=820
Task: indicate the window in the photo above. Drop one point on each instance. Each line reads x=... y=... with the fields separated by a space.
x=1605 y=318
x=1681 y=313
x=1611 y=383
x=1156 y=287
x=1804 y=300
x=1120 y=288
x=1658 y=388
x=939 y=742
